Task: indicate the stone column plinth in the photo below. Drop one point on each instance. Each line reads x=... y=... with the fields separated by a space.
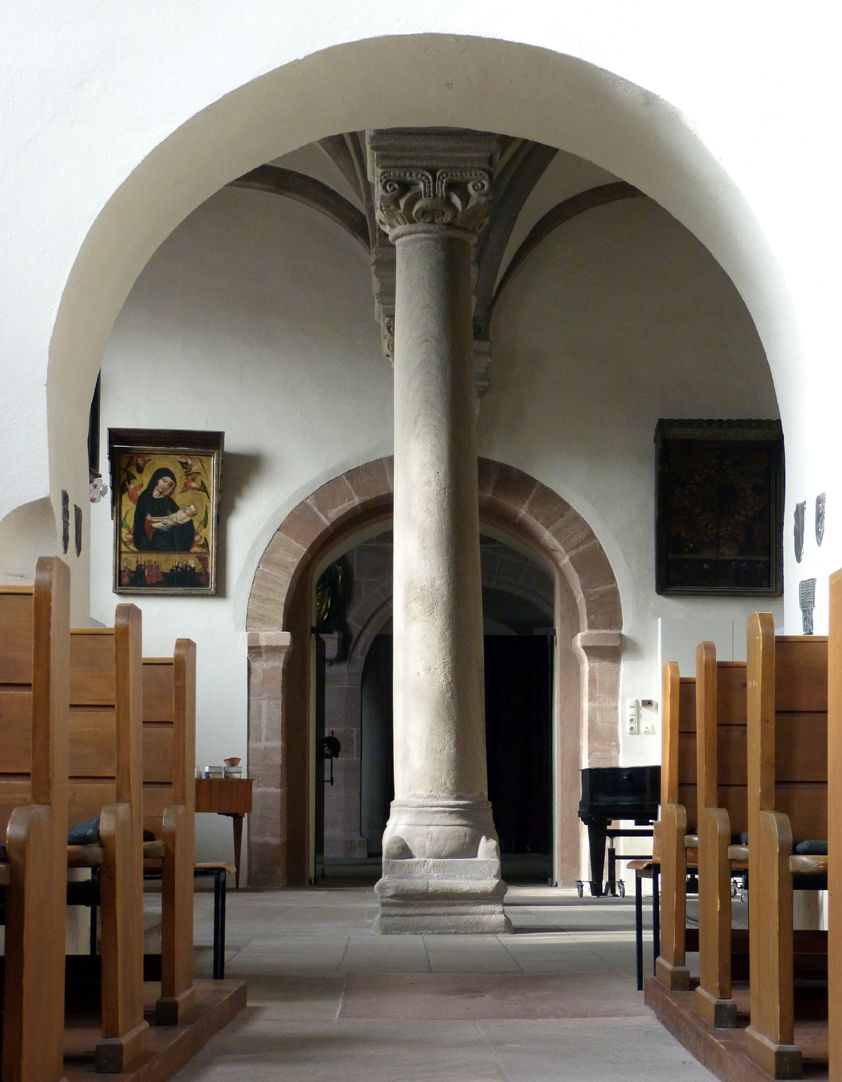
x=441 y=861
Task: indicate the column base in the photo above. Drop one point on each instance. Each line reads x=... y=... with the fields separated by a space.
x=441 y=869
x=427 y=896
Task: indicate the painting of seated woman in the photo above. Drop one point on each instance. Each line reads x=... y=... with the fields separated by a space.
x=167 y=502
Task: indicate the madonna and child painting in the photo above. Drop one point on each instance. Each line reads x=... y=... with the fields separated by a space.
x=166 y=489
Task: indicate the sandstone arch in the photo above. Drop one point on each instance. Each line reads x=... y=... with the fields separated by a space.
x=588 y=605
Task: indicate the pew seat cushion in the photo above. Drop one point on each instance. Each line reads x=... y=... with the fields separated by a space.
x=86 y=833
x=811 y=848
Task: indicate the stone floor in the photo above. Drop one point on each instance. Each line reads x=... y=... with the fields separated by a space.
x=328 y=999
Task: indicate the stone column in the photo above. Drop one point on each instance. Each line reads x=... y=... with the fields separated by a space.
x=441 y=859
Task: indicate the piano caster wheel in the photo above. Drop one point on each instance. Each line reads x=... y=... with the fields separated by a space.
x=621 y=888
x=580 y=888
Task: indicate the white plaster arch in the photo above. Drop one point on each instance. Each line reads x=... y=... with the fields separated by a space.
x=237 y=120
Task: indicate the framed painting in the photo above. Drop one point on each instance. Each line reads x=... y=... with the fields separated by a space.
x=719 y=499
x=165 y=487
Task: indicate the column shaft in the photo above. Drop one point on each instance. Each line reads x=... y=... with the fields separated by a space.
x=438 y=688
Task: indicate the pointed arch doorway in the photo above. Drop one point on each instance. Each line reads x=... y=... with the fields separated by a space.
x=587 y=652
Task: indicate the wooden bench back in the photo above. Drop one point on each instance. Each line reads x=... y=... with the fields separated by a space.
x=834 y=827
x=34 y=668
x=721 y=745
x=105 y=715
x=678 y=741
x=787 y=727
x=169 y=733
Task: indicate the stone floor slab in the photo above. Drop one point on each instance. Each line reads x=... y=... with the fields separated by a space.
x=330 y=999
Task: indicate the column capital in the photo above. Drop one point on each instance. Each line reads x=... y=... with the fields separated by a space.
x=422 y=179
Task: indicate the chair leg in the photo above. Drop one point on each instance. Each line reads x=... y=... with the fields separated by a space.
x=93 y=928
x=638 y=928
x=219 y=924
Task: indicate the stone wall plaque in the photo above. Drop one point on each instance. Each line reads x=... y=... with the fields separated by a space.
x=65 y=521
x=821 y=501
x=77 y=528
x=807 y=601
x=798 y=530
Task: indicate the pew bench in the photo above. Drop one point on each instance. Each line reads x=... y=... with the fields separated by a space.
x=787 y=800
x=34 y=681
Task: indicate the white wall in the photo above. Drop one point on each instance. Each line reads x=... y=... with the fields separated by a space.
x=254 y=318
x=618 y=319
x=124 y=120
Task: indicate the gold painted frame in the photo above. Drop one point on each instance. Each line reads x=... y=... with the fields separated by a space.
x=165 y=502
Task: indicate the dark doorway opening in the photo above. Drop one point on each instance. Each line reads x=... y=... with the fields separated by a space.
x=378 y=766
x=518 y=734
x=518 y=608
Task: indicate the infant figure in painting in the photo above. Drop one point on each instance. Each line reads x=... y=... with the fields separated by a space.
x=160 y=525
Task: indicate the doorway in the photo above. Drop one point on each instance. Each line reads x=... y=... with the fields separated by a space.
x=518 y=597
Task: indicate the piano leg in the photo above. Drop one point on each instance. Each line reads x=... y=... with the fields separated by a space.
x=596 y=844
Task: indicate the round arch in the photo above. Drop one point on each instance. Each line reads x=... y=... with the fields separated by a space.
x=434 y=79
x=588 y=646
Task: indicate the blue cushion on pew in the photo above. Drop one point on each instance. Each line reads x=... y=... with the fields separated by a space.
x=86 y=833
x=807 y=848
x=811 y=848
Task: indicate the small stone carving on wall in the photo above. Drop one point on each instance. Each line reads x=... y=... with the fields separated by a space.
x=65 y=521
x=798 y=529
x=821 y=501
x=807 y=600
x=77 y=528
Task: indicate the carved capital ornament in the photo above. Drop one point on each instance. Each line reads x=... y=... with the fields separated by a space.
x=450 y=197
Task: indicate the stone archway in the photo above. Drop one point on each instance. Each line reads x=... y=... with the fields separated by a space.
x=278 y=620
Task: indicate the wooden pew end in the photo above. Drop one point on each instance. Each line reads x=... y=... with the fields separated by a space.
x=115 y=1054
x=175 y=1010
x=719 y=1013
x=777 y=1060
x=676 y=978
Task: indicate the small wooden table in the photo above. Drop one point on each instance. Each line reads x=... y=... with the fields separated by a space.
x=227 y=796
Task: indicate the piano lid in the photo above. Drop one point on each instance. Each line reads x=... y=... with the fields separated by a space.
x=615 y=790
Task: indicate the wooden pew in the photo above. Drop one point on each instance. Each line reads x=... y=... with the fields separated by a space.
x=34 y=667
x=834 y=828
x=676 y=826
x=787 y=798
x=721 y=775
x=169 y=743
x=105 y=781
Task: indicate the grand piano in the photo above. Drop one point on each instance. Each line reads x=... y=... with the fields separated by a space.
x=616 y=792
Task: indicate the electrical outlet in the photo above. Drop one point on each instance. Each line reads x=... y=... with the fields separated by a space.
x=632 y=717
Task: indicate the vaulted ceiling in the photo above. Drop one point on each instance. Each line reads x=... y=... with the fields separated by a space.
x=520 y=165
